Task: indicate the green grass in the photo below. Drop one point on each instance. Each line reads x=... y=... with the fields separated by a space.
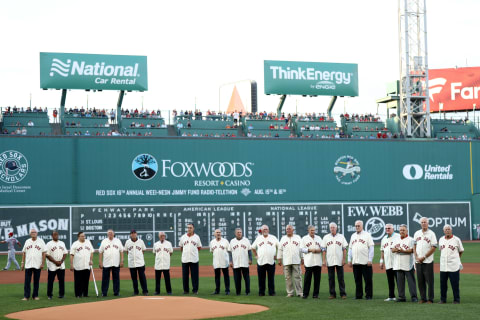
x=472 y=254
x=289 y=308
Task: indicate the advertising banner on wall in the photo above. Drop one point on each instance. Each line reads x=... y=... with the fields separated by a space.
x=456 y=89
x=93 y=71
x=311 y=78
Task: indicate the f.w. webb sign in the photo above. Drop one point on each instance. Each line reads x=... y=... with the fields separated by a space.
x=93 y=71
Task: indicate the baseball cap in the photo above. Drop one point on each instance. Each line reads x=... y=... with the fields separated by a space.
x=10 y=234
x=133 y=231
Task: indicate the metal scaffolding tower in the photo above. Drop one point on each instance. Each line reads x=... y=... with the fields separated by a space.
x=414 y=97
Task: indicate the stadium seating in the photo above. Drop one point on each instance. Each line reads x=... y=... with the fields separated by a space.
x=150 y=132
x=452 y=128
x=41 y=125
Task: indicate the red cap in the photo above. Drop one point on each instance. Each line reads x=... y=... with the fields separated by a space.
x=10 y=234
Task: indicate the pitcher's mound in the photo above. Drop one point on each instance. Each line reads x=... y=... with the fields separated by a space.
x=141 y=308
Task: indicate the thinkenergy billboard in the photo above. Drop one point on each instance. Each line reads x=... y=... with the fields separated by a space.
x=311 y=78
x=93 y=71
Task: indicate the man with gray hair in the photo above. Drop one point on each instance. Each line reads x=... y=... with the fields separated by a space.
x=162 y=249
x=265 y=250
x=403 y=261
x=386 y=260
x=451 y=250
x=220 y=247
x=110 y=256
x=290 y=256
x=312 y=257
x=33 y=258
x=240 y=260
x=425 y=244
x=334 y=247
x=360 y=257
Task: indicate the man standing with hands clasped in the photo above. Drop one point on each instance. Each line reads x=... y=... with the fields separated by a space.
x=360 y=256
x=425 y=244
x=220 y=247
x=386 y=260
x=81 y=255
x=56 y=255
x=240 y=260
x=290 y=256
x=190 y=244
x=162 y=249
x=335 y=246
x=135 y=248
x=312 y=258
x=451 y=250
x=265 y=250
x=32 y=262
x=110 y=257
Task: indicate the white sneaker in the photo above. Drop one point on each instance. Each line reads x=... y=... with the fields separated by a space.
x=390 y=299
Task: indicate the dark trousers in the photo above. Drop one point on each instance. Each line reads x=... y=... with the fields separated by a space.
x=365 y=271
x=267 y=270
x=392 y=279
x=60 y=274
x=226 y=279
x=28 y=279
x=106 y=280
x=81 y=279
x=425 y=278
x=237 y=278
x=340 y=278
x=158 y=276
x=316 y=271
x=454 y=281
x=412 y=286
x=192 y=268
x=140 y=271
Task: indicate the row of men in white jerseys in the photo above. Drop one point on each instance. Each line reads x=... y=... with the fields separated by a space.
x=401 y=255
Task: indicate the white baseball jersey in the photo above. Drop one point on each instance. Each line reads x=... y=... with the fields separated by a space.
x=239 y=249
x=56 y=250
x=289 y=250
x=334 y=246
x=162 y=251
x=266 y=248
x=360 y=244
x=450 y=254
x=135 y=253
x=220 y=250
x=81 y=252
x=33 y=253
x=385 y=247
x=311 y=259
x=424 y=242
x=111 y=250
x=190 y=245
x=403 y=261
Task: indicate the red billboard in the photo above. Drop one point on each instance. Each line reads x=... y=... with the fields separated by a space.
x=456 y=88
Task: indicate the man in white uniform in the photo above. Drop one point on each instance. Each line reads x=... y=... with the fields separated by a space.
x=162 y=250
x=56 y=254
x=11 y=242
x=135 y=248
x=451 y=250
x=360 y=256
x=81 y=259
x=289 y=255
x=190 y=244
x=220 y=247
x=240 y=260
x=265 y=250
x=386 y=260
x=402 y=249
x=425 y=244
x=32 y=262
x=334 y=246
x=110 y=255
x=311 y=247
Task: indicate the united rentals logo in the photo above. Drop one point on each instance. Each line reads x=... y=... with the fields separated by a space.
x=144 y=166
x=13 y=166
x=81 y=68
x=376 y=227
x=428 y=172
x=347 y=170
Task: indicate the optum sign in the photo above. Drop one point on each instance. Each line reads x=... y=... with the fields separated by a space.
x=93 y=71
x=311 y=78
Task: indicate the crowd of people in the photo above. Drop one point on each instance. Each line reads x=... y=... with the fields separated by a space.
x=141 y=125
x=9 y=111
x=144 y=114
x=78 y=124
x=360 y=118
x=402 y=257
x=90 y=113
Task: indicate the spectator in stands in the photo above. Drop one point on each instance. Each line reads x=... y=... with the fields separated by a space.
x=30 y=123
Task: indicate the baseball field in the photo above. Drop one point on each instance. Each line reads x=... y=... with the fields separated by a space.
x=279 y=307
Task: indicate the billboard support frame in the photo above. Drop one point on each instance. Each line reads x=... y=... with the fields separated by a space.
x=283 y=97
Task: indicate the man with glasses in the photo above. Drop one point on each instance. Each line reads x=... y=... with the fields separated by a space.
x=360 y=256
x=386 y=261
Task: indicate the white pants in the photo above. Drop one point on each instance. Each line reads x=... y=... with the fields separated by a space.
x=11 y=257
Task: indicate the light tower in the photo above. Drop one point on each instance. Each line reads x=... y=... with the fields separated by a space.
x=414 y=99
